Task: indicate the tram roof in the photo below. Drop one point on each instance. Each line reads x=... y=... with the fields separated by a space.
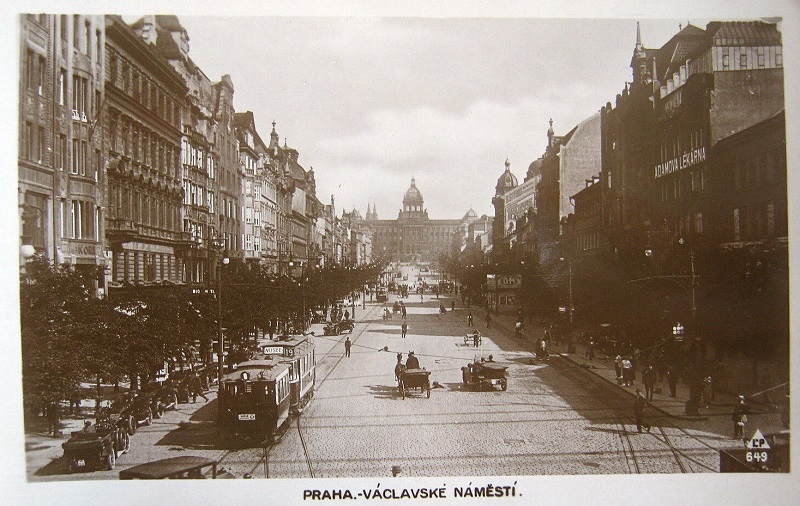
x=258 y=369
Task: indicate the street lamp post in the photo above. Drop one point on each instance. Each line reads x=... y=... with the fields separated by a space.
x=292 y=264
x=571 y=307
x=220 y=335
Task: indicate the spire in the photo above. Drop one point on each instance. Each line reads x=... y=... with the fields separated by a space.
x=273 y=138
x=508 y=164
x=638 y=37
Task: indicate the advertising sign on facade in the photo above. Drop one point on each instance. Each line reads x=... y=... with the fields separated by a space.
x=496 y=282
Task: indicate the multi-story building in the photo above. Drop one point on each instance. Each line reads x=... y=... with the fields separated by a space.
x=251 y=166
x=412 y=237
x=141 y=127
x=61 y=160
x=198 y=163
x=229 y=178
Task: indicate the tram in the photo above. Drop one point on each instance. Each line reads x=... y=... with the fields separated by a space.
x=259 y=396
x=254 y=400
x=298 y=353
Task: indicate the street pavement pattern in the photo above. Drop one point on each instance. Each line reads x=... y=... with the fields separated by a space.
x=547 y=422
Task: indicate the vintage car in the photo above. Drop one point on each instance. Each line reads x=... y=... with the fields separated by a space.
x=96 y=446
x=484 y=375
x=136 y=408
x=382 y=294
x=336 y=328
x=175 y=468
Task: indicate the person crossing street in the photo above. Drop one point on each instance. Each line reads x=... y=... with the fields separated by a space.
x=347 y=345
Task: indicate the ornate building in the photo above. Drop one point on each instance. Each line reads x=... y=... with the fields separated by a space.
x=142 y=139
x=61 y=174
x=412 y=237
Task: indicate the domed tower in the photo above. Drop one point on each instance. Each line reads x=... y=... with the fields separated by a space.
x=506 y=181
x=413 y=203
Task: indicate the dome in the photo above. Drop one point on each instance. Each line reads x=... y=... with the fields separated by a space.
x=413 y=196
x=507 y=180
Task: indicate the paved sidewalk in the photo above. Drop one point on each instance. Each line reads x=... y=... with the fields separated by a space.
x=765 y=412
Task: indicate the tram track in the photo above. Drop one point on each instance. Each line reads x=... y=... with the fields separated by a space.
x=264 y=458
x=616 y=403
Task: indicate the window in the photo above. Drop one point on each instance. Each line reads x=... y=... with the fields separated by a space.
x=83 y=218
x=725 y=58
x=64 y=219
x=33 y=220
x=75 y=31
x=64 y=28
x=88 y=37
x=79 y=90
x=79 y=154
x=62 y=87
x=779 y=57
x=41 y=148
x=698 y=223
x=761 y=59
x=743 y=60
x=248 y=215
x=27 y=141
x=257 y=218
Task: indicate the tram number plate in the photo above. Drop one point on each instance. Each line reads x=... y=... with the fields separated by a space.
x=247 y=416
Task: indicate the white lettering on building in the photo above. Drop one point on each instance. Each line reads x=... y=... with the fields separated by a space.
x=686 y=160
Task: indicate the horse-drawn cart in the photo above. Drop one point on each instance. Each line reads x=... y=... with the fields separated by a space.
x=409 y=379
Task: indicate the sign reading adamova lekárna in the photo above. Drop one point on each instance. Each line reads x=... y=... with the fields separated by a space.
x=688 y=159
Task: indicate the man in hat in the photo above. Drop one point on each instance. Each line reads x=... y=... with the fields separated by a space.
x=739 y=418
x=412 y=362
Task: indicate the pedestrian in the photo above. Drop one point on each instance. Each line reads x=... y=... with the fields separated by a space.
x=543 y=349
x=708 y=389
x=649 y=380
x=640 y=411
x=403 y=310
x=404 y=330
x=618 y=369
x=195 y=387
x=346 y=314
x=672 y=379
x=476 y=339
x=347 y=345
x=627 y=372
x=469 y=319
x=54 y=418
x=452 y=305
x=488 y=319
x=739 y=418
x=590 y=350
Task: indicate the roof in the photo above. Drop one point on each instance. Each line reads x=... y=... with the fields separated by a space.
x=677 y=50
x=506 y=181
x=166 y=467
x=267 y=370
x=743 y=33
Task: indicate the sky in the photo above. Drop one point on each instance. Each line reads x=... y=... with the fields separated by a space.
x=370 y=102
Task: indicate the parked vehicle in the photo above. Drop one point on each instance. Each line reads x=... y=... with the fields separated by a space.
x=97 y=447
x=484 y=375
x=134 y=408
x=183 y=467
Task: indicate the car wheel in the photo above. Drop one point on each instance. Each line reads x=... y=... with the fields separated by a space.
x=148 y=419
x=504 y=385
x=111 y=460
x=126 y=442
x=130 y=426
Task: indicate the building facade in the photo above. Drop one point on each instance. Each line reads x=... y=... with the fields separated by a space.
x=413 y=236
x=60 y=162
x=142 y=141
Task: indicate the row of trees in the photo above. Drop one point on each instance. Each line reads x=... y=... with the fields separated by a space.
x=70 y=336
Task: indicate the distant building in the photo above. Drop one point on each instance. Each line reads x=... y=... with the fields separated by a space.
x=412 y=237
